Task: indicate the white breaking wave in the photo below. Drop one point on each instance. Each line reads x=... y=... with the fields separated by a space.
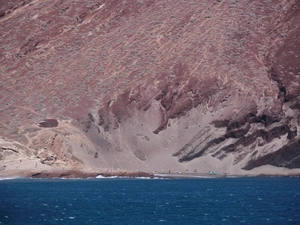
x=102 y=177
x=9 y=178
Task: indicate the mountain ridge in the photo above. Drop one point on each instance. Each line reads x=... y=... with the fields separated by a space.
x=151 y=85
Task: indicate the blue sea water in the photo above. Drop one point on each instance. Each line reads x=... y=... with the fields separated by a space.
x=157 y=201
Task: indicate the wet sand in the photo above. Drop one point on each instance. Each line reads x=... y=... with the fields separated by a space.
x=188 y=175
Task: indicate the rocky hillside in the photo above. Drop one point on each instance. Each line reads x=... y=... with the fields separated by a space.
x=209 y=85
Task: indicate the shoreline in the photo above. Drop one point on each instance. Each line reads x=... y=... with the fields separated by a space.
x=79 y=174
x=73 y=174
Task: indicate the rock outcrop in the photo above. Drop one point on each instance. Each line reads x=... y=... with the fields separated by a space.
x=147 y=84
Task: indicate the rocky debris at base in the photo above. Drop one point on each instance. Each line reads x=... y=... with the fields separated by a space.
x=82 y=174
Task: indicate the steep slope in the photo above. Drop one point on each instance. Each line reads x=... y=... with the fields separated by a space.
x=151 y=85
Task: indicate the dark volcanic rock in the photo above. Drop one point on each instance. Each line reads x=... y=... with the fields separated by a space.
x=49 y=123
x=288 y=156
x=82 y=174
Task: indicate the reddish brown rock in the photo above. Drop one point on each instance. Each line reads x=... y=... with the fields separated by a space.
x=201 y=81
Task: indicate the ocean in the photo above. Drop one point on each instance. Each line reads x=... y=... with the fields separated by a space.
x=255 y=200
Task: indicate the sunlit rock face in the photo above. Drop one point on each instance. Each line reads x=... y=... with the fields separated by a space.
x=148 y=84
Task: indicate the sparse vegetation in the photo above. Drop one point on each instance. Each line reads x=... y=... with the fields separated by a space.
x=65 y=59
x=76 y=159
x=140 y=155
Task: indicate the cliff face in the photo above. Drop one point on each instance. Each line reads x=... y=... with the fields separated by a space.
x=212 y=85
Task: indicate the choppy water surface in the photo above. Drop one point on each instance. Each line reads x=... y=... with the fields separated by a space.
x=136 y=201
